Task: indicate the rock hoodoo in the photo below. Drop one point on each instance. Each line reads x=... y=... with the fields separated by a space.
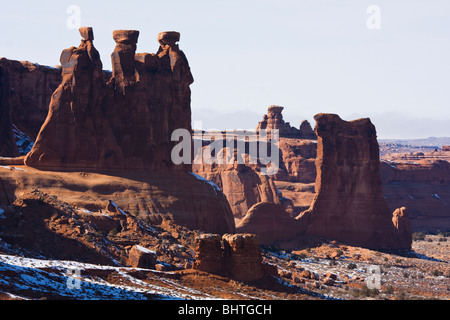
x=125 y=123
x=349 y=204
x=274 y=120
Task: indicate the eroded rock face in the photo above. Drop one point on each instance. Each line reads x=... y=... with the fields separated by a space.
x=270 y=222
x=401 y=221
x=123 y=124
x=7 y=145
x=349 y=204
x=209 y=256
x=242 y=184
x=27 y=88
x=242 y=257
x=237 y=256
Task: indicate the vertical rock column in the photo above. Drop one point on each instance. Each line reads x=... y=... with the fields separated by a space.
x=349 y=204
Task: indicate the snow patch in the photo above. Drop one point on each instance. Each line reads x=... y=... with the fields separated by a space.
x=144 y=250
x=212 y=184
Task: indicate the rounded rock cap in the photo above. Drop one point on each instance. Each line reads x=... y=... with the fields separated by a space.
x=126 y=36
x=86 y=33
x=168 y=37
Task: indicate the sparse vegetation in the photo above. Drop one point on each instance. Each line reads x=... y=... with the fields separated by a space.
x=416 y=236
x=352 y=266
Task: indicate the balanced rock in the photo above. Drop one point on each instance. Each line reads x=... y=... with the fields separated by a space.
x=349 y=204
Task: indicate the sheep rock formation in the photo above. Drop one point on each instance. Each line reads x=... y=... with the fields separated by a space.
x=270 y=222
x=242 y=184
x=349 y=204
x=125 y=123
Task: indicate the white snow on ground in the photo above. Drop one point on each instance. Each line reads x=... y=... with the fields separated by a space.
x=118 y=208
x=145 y=250
x=212 y=184
x=76 y=280
x=435 y=195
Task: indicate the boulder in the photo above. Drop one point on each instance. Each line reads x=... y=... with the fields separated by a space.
x=237 y=256
x=209 y=257
x=242 y=256
x=140 y=257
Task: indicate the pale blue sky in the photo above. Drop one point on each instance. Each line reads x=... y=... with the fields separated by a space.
x=309 y=56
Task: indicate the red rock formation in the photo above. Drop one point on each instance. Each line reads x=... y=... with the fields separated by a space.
x=126 y=124
x=7 y=144
x=242 y=257
x=274 y=120
x=29 y=88
x=445 y=148
x=298 y=160
x=237 y=256
x=209 y=256
x=420 y=171
x=349 y=204
x=306 y=131
x=270 y=222
x=401 y=221
x=140 y=257
x=243 y=185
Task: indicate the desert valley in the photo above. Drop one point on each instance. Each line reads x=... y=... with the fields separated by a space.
x=93 y=207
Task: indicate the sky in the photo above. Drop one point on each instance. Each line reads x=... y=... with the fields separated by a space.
x=388 y=60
